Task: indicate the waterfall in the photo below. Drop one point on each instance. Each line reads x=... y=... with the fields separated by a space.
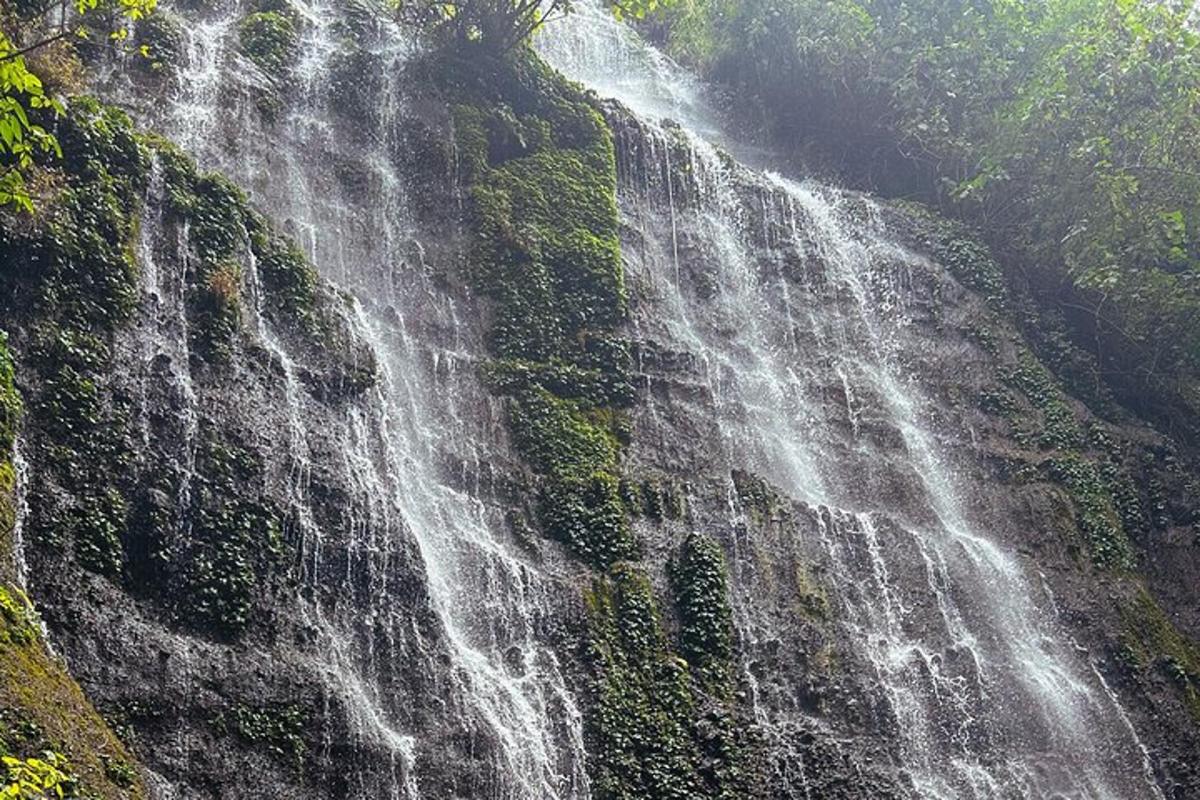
x=416 y=448
x=798 y=313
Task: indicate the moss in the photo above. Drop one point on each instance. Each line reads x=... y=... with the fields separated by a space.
x=43 y=710
x=536 y=159
x=661 y=498
x=1151 y=642
x=79 y=437
x=757 y=496
x=664 y=727
x=960 y=250
x=291 y=282
x=578 y=456
x=642 y=744
x=700 y=582
x=236 y=538
x=10 y=401
x=540 y=171
x=1059 y=429
x=1097 y=517
x=224 y=232
x=812 y=600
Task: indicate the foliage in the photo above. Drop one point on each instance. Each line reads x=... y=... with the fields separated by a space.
x=539 y=163
x=160 y=39
x=37 y=778
x=1099 y=520
x=1152 y=643
x=22 y=93
x=1066 y=130
x=45 y=720
x=642 y=745
x=270 y=40
x=501 y=26
x=10 y=401
x=236 y=537
x=701 y=584
x=278 y=728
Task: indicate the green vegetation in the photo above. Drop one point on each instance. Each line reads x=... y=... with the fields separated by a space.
x=72 y=273
x=278 y=728
x=223 y=230
x=44 y=717
x=538 y=159
x=1065 y=130
x=160 y=39
x=236 y=539
x=270 y=39
x=1097 y=516
x=641 y=729
x=35 y=778
x=700 y=582
x=26 y=32
x=1056 y=447
x=664 y=727
x=500 y=26
x=72 y=267
x=1151 y=643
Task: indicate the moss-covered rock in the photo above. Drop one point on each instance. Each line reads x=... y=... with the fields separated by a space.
x=159 y=39
x=1151 y=644
x=700 y=582
x=539 y=165
x=48 y=729
x=641 y=729
x=270 y=39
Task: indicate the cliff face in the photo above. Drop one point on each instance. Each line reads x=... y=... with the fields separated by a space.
x=511 y=443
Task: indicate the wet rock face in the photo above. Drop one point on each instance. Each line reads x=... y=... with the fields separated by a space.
x=824 y=386
x=212 y=534
x=280 y=531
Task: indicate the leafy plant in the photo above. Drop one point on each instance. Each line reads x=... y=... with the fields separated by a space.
x=38 y=778
x=23 y=95
x=502 y=25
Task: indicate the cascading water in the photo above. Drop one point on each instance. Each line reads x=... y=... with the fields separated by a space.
x=794 y=305
x=414 y=448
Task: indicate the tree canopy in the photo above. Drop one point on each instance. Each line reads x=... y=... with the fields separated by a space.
x=502 y=25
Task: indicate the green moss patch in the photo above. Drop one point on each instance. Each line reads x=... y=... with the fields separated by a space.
x=1097 y=515
x=270 y=40
x=641 y=729
x=1151 y=643
x=278 y=728
x=44 y=716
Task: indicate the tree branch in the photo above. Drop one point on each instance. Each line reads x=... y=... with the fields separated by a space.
x=26 y=50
